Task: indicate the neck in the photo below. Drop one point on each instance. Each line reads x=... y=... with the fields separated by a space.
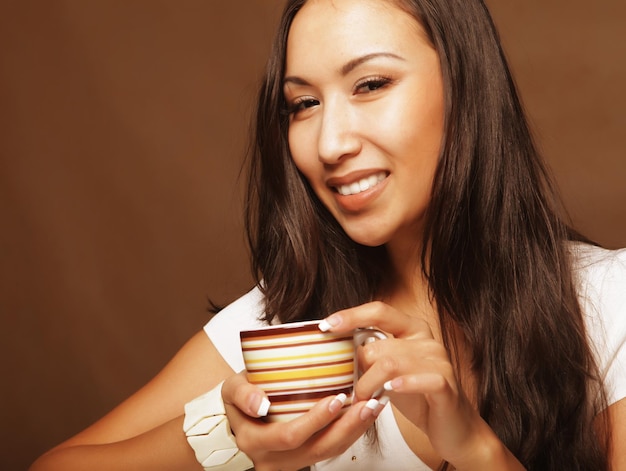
x=407 y=289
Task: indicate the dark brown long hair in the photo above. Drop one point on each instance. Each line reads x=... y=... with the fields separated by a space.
x=495 y=246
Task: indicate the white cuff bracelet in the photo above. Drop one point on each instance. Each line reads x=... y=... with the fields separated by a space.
x=208 y=433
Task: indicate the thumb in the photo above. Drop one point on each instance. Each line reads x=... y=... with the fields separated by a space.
x=247 y=397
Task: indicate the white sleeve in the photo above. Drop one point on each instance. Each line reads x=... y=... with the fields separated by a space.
x=223 y=329
x=603 y=300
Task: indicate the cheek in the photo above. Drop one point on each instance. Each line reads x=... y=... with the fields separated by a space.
x=302 y=151
x=418 y=133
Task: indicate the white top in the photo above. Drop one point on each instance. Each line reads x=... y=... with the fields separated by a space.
x=602 y=290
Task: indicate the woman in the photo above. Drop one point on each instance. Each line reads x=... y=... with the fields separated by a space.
x=394 y=183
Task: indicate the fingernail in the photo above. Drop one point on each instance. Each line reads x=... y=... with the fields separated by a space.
x=382 y=402
x=263 y=405
x=392 y=384
x=368 y=410
x=337 y=403
x=326 y=324
x=264 y=408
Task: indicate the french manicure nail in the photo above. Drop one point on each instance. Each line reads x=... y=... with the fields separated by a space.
x=326 y=324
x=368 y=410
x=382 y=402
x=264 y=404
x=337 y=403
x=393 y=384
x=264 y=408
x=372 y=404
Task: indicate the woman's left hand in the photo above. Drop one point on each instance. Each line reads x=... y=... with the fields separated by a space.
x=417 y=373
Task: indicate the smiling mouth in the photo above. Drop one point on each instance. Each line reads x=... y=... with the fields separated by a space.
x=361 y=185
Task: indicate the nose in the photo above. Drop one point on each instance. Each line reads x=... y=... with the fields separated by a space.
x=338 y=137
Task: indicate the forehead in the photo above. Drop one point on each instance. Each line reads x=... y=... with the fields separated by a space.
x=324 y=30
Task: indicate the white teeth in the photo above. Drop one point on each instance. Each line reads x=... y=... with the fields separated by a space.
x=362 y=185
x=374 y=179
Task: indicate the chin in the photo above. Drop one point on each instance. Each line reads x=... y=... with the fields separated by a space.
x=367 y=238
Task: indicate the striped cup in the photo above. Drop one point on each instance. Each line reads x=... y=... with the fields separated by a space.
x=297 y=365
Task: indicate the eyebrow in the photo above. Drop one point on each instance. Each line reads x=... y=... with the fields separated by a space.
x=348 y=66
x=354 y=63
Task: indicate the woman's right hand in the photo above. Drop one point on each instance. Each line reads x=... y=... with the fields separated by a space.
x=318 y=435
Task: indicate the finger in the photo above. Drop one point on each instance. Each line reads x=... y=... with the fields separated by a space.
x=371 y=381
x=393 y=351
x=384 y=361
x=380 y=315
x=434 y=386
x=329 y=442
x=279 y=436
x=343 y=432
x=247 y=397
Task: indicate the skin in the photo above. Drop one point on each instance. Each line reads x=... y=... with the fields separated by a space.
x=365 y=90
x=345 y=125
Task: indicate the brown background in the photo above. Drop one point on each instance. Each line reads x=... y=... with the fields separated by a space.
x=122 y=127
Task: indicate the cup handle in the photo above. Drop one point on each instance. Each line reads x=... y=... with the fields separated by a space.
x=361 y=337
x=368 y=334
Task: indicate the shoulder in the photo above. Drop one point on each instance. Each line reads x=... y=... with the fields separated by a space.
x=223 y=329
x=600 y=275
x=250 y=306
x=596 y=259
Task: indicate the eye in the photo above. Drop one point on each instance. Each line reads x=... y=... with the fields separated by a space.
x=302 y=103
x=372 y=84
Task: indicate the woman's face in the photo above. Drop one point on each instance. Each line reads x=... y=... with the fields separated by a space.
x=365 y=94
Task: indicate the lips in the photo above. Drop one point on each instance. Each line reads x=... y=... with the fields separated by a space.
x=360 y=185
x=356 y=191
